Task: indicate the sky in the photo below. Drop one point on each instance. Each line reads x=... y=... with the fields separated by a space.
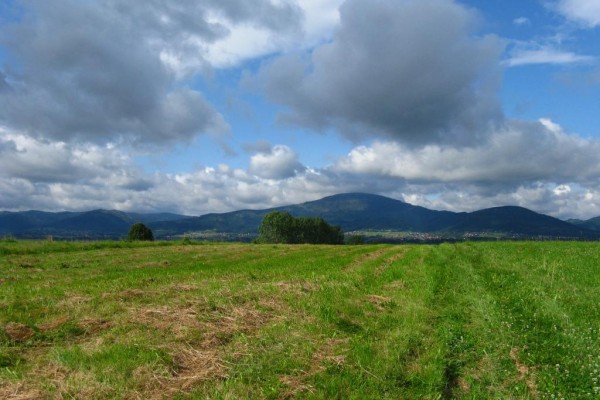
x=208 y=106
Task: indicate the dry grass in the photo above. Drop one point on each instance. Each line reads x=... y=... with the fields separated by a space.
x=195 y=361
x=19 y=391
x=525 y=373
x=18 y=332
x=366 y=258
x=53 y=324
x=331 y=352
x=380 y=302
x=93 y=326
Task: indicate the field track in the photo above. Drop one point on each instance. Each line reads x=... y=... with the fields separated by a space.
x=506 y=320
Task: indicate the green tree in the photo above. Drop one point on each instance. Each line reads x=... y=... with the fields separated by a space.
x=355 y=239
x=280 y=227
x=277 y=227
x=140 y=231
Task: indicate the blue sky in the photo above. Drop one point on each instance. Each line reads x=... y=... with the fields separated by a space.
x=214 y=105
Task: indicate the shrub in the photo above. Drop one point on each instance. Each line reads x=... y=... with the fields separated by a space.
x=140 y=231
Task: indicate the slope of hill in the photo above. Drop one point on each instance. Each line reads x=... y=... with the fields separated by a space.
x=591 y=224
x=516 y=220
x=351 y=211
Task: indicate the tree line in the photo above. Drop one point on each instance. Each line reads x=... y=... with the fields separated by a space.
x=281 y=227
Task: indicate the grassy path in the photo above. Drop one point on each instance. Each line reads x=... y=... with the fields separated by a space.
x=228 y=321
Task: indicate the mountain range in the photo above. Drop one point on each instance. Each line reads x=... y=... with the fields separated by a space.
x=353 y=212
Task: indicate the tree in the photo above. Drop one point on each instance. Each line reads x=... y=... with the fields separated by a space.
x=280 y=227
x=140 y=231
x=355 y=239
x=277 y=227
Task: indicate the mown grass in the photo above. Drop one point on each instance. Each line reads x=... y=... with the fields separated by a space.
x=226 y=321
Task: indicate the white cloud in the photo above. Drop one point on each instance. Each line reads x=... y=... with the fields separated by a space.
x=527 y=164
x=585 y=12
x=279 y=163
x=520 y=21
x=24 y=157
x=520 y=152
x=545 y=55
x=562 y=190
x=248 y=41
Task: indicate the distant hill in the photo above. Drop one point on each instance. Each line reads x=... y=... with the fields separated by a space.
x=361 y=212
x=351 y=211
x=89 y=224
x=516 y=220
x=592 y=223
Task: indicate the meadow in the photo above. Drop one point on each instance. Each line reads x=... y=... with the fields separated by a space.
x=186 y=320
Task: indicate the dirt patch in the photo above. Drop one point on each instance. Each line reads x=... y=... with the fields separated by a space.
x=18 y=332
x=525 y=373
x=52 y=324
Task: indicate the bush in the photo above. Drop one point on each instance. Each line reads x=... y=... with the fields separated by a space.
x=140 y=231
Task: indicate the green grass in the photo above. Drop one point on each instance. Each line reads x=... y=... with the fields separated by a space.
x=108 y=320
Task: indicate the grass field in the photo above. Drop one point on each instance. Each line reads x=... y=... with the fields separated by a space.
x=503 y=320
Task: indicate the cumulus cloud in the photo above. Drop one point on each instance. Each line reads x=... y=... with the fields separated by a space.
x=280 y=162
x=115 y=70
x=85 y=71
x=82 y=79
x=520 y=152
x=530 y=164
x=585 y=12
x=408 y=70
x=47 y=162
